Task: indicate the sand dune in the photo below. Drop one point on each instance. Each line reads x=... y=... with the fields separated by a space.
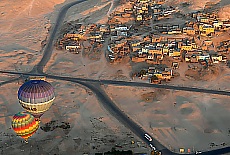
x=193 y=117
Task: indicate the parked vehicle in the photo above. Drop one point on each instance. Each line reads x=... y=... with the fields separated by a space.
x=152 y=147
x=148 y=137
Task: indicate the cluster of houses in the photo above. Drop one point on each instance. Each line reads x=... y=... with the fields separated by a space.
x=205 y=25
x=153 y=49
x=224 y=46
x=95 y=34
x=156 y=74
x=70 y=42
x=148 y=9
x=124 y=41
x=119 y=45
x=208 y=24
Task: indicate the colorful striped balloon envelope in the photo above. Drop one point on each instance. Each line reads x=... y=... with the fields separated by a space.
x=36 y=97
x=24 y=124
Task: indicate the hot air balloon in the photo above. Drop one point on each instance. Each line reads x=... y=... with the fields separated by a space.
x=36 y=97
x=25 y=125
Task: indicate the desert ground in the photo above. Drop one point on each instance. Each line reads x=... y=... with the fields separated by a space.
x=177 y=119
x=197 y=121
x=91 y=129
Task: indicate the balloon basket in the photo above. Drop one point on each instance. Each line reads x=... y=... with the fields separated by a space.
x=38 y=120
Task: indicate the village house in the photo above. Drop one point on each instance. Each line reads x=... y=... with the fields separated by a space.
x=104 y=29
x=193 y=59
x=143 y=1
x=140 y=58
x=226 y=23
x=187 y=57
x=216 y=58
x=122 y=33
x=174 y=52
x=95 y=36
x=165 y=50
x=189 y=30
x=217 y=24
x=174 y=31
x=203 y=56
x=150 y=57
x=154 y=50
x=203 y=20
x=175 y=65
x=186 y=47
x=128 y=10
x=136 y=48
x=165 y=74
x=139 y=17
x=156 y=39
x=147 y=39
x=73 y=36
x=72 y=48
x=206 y=29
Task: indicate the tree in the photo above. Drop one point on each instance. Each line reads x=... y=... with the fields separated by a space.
x=154 y=77
x=142 y=72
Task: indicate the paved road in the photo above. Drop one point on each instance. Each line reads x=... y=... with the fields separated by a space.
x=125 y=83
x=50 y=42
x=118 y=114
x=9 y=81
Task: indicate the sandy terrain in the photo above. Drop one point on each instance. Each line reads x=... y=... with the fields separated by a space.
x=80 y=66
x=216 y=78
x=24 y=25
x=92 y=11
x=176 y=127
x=224 y=12
x=91 y=130
x=199 y=5
x=194 y=122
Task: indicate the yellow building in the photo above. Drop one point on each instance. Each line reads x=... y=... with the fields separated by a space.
x=156 y=40
x=144 y=8
x=201 y=27
x=209 y=30
x=154 y=51
x=139 y=11
x=204 y=20
x=135 y=44
x=37 y=78
x=143 y=1
x=95 y=36
x=158 y=75
x=165 y=50
x=187 y=59
x=174 y=54
x=217 y=58
x=139 y=17
x=194 y=46
x=189 y=30
x=186 y=47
